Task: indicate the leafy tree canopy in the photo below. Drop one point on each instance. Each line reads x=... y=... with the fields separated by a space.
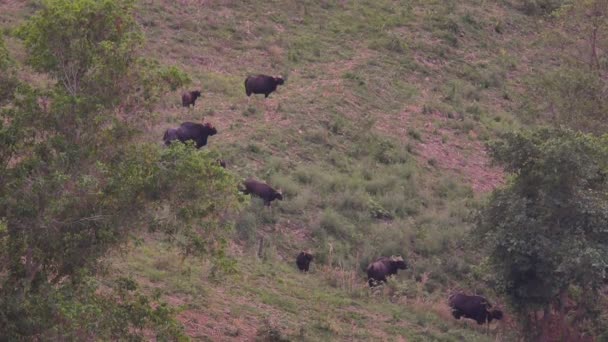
x=76 y=185
x=547 y=230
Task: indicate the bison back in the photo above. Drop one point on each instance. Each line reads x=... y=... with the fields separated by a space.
x=260 y=84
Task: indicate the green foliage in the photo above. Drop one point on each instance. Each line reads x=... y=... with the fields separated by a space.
x=75 y=186
x=85 y=44
x=572 y=96
x=191 y=210
x=546 y=230
x=4 y=57
x=154 y=79
x=7 y=77
x=573 y=90
x=87 y=312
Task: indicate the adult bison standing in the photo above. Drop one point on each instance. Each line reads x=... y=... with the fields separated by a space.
x=383 y=267
x=262 y=190
x=189 y=98
x=190 y=131
x=303 y=261
x=262 y=84
x=473 y=307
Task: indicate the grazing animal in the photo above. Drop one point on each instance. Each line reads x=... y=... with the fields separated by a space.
x=378 y=270
x=473 y=307
x=190 y=131
x=262 y=84
x=303 y=261
x=222 y=163
x=189 y=97
x=262 y=190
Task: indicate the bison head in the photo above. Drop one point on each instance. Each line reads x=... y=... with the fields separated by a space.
x=170 y=134
x=398 y=262
x=195 y=93
x=211 y=129
x=279 y=80
x=308 y=256
x=494 y=314
x=278 y=195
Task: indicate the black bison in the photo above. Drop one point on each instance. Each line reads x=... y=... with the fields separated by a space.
x=473 y=307
x=262 y=84
x=303 y=261
x=189 y=97
x=262 y=190
x=378 y=270
x=190 y=131
x=222 y=163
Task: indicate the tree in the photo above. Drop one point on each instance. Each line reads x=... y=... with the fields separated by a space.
x=75 y=184
x=546 y=231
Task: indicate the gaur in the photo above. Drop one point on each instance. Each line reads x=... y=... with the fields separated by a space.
x=190 y=131
x=262 y=190
x=473 y=307
x=383 y=267
x=303 y=261
x=189 y=97
x=262 y=84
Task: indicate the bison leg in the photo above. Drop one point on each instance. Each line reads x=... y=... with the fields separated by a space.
x=456 y=314
x=266 y=95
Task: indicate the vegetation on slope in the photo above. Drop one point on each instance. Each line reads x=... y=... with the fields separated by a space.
x=376 y=139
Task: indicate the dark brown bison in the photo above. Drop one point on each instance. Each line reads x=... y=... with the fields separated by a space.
x=383 y=267
x=189 y=97
x=262 y=84
x=303 y=261
x=190 y=131
x=473 y=307
x=262 y=190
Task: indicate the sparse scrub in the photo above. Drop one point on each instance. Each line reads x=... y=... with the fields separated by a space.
x=372 y=83
x=414 y=134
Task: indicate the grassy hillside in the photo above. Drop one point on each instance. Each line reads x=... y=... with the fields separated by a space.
x=376 y=140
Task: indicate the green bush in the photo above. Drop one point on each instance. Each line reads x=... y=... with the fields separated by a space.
x=336 y=225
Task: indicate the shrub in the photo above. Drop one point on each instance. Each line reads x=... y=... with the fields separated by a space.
x=246 y=226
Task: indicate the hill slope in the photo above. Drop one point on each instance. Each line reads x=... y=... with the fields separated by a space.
x=376 y=140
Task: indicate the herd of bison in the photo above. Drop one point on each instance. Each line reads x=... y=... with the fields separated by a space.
x=468 y=306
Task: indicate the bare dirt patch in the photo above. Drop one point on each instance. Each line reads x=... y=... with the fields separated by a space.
x=445 y=148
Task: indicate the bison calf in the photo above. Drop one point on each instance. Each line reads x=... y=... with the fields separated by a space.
x=190 y=131
x=189 y=97
x=262 y=84
x=262 y=190
x=383 y=267
x=303 y=261
x=473 y=307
